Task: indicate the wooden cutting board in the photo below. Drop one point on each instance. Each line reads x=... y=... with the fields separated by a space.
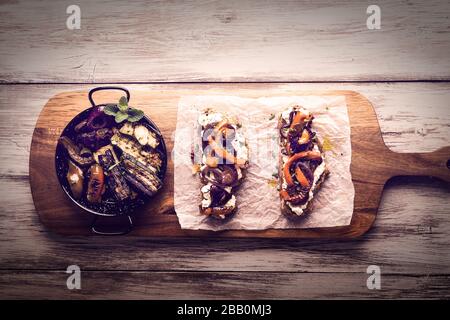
x=372 y=165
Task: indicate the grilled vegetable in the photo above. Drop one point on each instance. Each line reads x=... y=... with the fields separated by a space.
x=298 y=118
x=127 y=129
x=223 y=176
x=116 y=181
x=98 y=119
x=299 y=140
x=225 y=154
x=96 y=185
x=75 y=178
x=144 y=178
x=152 y=140
x=295 y=195
x=103 y=150
x=310 y=155
x=141 y=133
x=74 y=152
x=95 y=139
x=303 y=174
x=131 y=147
x=219 y=196
x=85 y=152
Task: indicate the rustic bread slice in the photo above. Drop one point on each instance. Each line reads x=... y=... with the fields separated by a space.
x=221 y=124
x=289 y=209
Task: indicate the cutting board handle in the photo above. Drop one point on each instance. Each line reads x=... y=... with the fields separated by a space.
x=435 y=164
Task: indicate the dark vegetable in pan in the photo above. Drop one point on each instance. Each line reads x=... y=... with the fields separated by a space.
x=105 y=178
x=142 y=177
x=74 y=152
x=95 y=139
x=75 y=178
x=116 y=181
x=98 y=119
x=91 y=170
x=96 y=185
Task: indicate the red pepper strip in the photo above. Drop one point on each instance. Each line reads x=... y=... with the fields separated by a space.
x=224 y=154
x=298 y=118
x=211 y=161
x=285 y=195
x=301 y=155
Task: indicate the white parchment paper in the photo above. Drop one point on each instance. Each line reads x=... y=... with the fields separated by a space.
x=257 y=199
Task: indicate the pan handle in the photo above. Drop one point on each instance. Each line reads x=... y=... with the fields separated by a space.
x=92 y=91
x=95 y=228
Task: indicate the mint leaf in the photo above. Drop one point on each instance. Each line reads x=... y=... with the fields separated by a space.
x=135 y=115
x=123 y=104
x=121 y=116
x=111 y=109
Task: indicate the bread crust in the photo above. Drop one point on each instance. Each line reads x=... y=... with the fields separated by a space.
x=285 y=209
x=218 y=212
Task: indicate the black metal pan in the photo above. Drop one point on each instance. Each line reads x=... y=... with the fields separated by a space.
x=109 y=206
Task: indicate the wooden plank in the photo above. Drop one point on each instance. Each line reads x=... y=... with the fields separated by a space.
x=141 y=41
x=410 y=236
x=413 y=117
x=212 y=285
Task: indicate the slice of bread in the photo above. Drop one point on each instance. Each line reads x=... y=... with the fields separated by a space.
x=287 y=208
x=208 y=169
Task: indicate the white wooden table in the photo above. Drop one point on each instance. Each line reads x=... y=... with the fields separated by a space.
x=403 y=68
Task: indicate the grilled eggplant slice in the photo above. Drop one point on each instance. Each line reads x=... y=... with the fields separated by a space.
x=116 y=181
x=143 y=178
x=129 y=146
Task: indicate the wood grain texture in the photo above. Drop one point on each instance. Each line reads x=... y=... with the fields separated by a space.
x=409 y=238
x=211 y=285
x=249 y=41
x=372 y=165
x=238 y=40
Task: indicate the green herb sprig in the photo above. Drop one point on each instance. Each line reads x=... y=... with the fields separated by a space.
x=122 y=111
